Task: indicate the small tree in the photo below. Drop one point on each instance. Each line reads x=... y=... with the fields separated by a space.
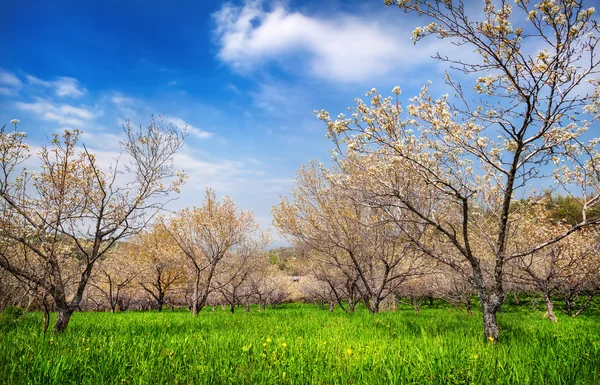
x=243 y=263
x=114 y=278
x=57 y=223
x=208 y=236
x=161 y=271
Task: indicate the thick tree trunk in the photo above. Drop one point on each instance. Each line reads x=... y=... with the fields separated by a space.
x=372 y=305
x=232 y=308
x=550 y=306
x=62 y=321
x=331 y=306
x=490 y=323
x=491 y=302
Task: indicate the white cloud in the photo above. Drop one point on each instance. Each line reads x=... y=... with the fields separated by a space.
x=63 y=114
x=121 y=100
x=63 y=86
x=192 y=130
x=273 y=98
x=243 y=177
x=9 y=79
x=342 y=48
x=126 y=108
x=5 y=91
x=172 y=83
x=252 y=161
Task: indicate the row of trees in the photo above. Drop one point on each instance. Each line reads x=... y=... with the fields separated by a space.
x=451 y=178
x=208 y=255
x=357 y=255
x=77 y=232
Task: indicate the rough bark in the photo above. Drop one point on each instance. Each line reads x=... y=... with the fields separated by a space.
x=490 y=323
x=62 y=321
x=550 y=306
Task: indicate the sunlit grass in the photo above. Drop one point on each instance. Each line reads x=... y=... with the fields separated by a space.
x=300 y=344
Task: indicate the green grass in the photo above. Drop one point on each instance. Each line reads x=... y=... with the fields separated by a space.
x=300 y=344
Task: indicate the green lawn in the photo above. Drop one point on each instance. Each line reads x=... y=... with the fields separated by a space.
x=300 y=344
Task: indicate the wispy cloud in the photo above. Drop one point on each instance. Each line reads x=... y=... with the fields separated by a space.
x=10 y=80
x=281 y=98
x=63 y=114
x=121 y=100
x=62 y=86
x=229 y=176
x=233 y=88
x=192 y=130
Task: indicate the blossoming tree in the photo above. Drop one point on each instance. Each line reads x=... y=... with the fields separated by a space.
x=350 y=240
x=216 y=239
x=56 y=223
x=454 y=164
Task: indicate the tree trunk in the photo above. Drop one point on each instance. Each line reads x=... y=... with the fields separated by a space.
x=46 y=314
x=490 y=303
x=62 y=321
x=569 y=305
x=417 y=305
x=550 y=306
x=372 y=305
x=468 y=304
x=232 y=308
x=331 y=306
x=490 y=323
x=430 y=300
x=195 y=296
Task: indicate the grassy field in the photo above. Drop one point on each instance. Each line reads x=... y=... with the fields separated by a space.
x=301 y=344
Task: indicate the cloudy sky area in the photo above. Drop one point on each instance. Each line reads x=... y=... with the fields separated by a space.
x=244 y=77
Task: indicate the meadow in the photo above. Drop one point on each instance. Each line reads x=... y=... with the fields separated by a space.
x=302 y=344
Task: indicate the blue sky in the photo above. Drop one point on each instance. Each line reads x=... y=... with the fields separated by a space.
x=244 y=76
